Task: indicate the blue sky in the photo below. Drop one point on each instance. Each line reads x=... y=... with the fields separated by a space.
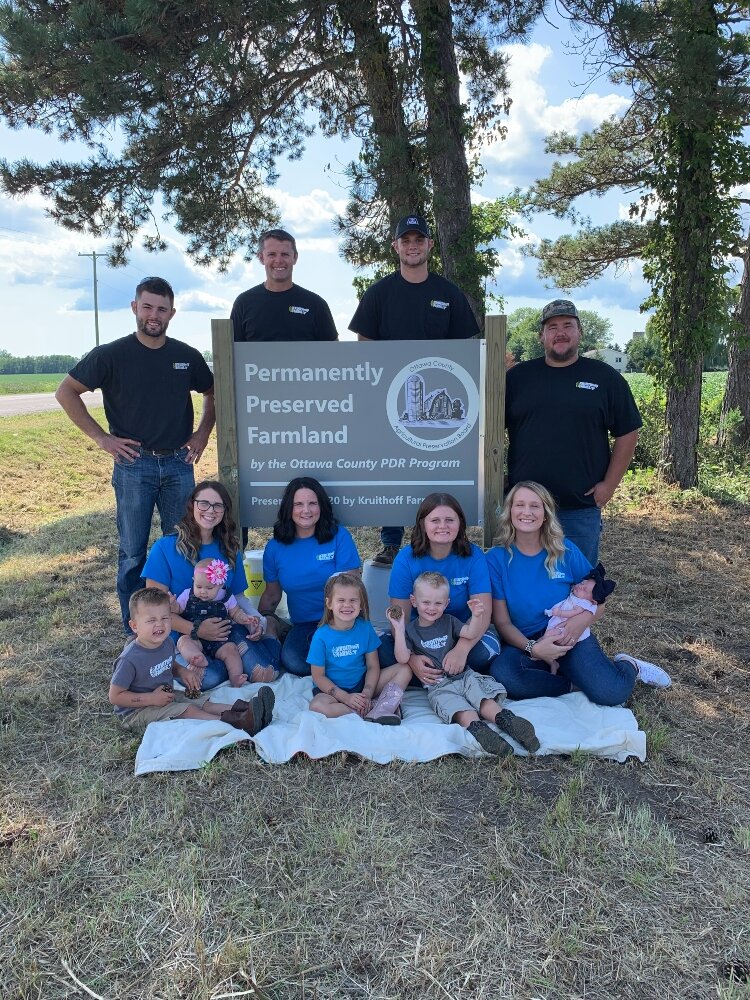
x=47 y=296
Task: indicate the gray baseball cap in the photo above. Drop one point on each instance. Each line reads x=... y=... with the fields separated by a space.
x=412 y=224
x=558 y=307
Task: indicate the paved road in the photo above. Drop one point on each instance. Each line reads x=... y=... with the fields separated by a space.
x=39 y=402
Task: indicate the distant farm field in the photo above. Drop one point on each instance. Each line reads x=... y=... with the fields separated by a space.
x=10 y=384
x=713 y=385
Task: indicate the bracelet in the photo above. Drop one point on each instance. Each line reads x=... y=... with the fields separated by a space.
x=529 y=646
x=194 y=630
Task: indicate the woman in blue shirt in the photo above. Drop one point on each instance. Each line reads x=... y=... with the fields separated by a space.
x=207 y=531
x=308 y=546
x=532 y=567
x=439 y=544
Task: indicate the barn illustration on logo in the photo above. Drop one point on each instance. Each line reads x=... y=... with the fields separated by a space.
x=433 y=403
x=431 y=409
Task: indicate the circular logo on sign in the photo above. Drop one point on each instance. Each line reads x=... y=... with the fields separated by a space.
x=432 y=404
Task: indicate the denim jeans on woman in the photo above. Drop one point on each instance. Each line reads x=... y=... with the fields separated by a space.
x=265 y=652
x=161 y=481
x=603 y=681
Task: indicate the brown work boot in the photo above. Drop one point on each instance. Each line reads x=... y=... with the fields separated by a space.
x=255 y=717
x=386 y=709
x=267 y=700
x=384 y=558
x=240 y=705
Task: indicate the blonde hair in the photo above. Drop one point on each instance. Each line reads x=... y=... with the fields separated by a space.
x=432 y=579
x=346 y=580
x=550 y=534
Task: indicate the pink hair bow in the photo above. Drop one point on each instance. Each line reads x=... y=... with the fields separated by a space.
x=216 y=572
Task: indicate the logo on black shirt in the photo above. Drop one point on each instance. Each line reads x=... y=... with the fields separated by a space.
x=181 y=366
x=299 y=310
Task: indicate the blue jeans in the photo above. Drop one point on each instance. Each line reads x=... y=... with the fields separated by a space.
x=603 y=681
x=480 y=656
x=265 y=652
x=296 y=648
x=584 y=527
x=391 y=536
x=161 y=481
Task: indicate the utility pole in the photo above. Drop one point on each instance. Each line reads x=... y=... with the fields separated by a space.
x=93 y=256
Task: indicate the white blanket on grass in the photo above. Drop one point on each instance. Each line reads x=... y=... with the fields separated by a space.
x=563 y=725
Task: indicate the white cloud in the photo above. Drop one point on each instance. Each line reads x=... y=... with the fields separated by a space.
x=202 y=301
x=533 y=115
x=307 y=213
x=321 y=244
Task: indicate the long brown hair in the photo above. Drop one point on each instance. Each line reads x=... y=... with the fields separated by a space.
x=225 y=532
x=346 y=580
x=551 y=535
x=420 y=543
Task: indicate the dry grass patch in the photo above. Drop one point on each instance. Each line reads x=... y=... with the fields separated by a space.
x=551 y=878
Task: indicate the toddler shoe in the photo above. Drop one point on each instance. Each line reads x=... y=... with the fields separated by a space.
x=520 y=729
x=255 y=717
x=489 y=740
x=386 y=710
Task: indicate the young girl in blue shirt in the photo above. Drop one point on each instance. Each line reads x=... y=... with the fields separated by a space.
x=344 y=661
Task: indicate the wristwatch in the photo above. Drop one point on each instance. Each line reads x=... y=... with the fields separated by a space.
x=194 y=630
x=529 y=646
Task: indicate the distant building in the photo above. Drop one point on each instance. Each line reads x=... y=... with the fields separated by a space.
x=616 y=359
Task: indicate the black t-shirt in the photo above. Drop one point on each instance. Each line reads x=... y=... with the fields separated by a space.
x=146 y=392
x=396 y=309
x=559 y=421
x=296 y=314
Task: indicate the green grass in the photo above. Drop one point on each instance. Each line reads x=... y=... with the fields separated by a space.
x=713 y=385
x=545 y=878
x=11 y=384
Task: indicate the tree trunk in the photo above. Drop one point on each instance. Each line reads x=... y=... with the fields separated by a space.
x=679 y=454
x=737 y=394
x=446 y=151
x=397 y=177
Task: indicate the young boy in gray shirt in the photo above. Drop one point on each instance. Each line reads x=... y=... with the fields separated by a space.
x=141 y=687
x=461 y=695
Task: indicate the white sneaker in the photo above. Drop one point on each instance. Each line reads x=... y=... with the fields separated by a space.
x=648 y=673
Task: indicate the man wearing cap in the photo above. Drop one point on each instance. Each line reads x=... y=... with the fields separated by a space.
x=560 y=411
x=146 y=380
x=279 y=310
x=411 y=304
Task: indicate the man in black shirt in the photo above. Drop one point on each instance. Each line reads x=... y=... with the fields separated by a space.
x=146 y=380
x=279 y=310
x=560 y=411
x=411 y=304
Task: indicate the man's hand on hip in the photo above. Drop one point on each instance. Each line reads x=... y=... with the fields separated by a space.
x=126 y=449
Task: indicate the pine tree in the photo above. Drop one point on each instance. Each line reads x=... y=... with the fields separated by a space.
x=679 y=150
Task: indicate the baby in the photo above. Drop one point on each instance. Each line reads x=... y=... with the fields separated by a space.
x=587 y=595
x=206 y=599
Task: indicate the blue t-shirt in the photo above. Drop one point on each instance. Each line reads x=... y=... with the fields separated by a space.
x=467 y=575
x=170 y=568
x=342 y=653
x=303 y=567
x=523 y=583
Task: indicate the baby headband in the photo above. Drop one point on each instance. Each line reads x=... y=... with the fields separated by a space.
x=602 y=587
x=216 y=572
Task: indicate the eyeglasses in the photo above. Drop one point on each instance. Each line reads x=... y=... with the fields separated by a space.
x=219 y=508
